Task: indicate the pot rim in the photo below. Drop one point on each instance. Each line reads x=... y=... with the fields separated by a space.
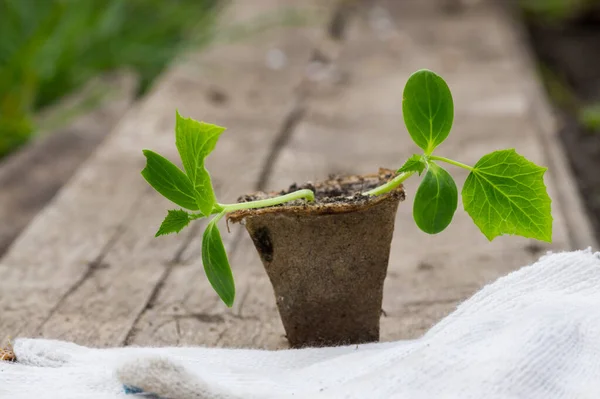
x=309 y=209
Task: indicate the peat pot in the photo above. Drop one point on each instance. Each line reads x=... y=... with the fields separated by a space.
x=327 y=260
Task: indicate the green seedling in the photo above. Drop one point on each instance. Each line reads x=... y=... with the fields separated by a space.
x=504 y=192
x=192 y=190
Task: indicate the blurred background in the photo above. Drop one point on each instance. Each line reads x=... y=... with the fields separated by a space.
x=565 y=36
x=51 y=48
x=62 y=59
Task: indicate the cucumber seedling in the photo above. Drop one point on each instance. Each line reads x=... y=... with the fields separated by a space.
x=193 y=191
x=504 y=192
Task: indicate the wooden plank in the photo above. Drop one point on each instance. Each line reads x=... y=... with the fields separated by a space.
x=231 y=85
x=353 y=124
x=32 y=176
x=429 y=275
x=92 y=281
x=192 y=313
x=62 y=245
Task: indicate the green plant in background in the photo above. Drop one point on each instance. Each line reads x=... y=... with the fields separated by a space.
x=558 y=88
x=556 y=10
x=50 y=48
x=589 y=116
x=504 y=192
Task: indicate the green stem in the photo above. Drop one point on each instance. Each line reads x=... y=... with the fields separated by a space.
x=217 y=218
x=194 y=216
x=389 y=186
x=451 y=162
x=300 y=194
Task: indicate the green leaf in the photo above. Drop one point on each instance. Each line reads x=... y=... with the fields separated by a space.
x=435 y=201
x=195 y=140
x=175 y=221
x=505 y=194
x=413 y=164
x=428 y=109
x=216 y=265
x=169 y=180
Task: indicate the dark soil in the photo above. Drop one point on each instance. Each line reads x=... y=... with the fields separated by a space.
x=335 y=190
x=571 y=51
x=338 y=194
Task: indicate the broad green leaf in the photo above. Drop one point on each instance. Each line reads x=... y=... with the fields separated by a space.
x=216 y=265
x=428 y=109
x=435 y=201
x=169 y=180
x=175 y=221
x=413 y=164
x=195 y=140
x=505 y=194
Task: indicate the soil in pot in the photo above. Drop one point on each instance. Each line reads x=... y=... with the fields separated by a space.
x=327 y=261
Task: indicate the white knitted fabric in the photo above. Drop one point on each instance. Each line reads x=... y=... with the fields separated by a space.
x=534 y=334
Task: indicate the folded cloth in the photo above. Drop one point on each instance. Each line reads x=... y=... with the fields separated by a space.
x=534 y=334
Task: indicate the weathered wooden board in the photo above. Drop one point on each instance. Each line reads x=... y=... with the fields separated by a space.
x=30 y=177
x=99 y=266
x=299 y=105
x=428 y=275
x=352 y=124
x=186 y=309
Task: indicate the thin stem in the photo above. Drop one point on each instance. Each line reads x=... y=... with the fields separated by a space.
x=194 y=216
x=451 y=162
x=217 y=218
x=389 y=186
x=300 y=194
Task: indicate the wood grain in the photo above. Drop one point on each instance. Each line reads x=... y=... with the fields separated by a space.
x=98 y=267
x=186 y=310
x=353 y=124
x=31 y=176
x=356 y=127
x=88 y=269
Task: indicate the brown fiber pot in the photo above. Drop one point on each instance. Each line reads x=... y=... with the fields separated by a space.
x=327 y=261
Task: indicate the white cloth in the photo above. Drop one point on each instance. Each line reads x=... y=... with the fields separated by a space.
x=534 y=334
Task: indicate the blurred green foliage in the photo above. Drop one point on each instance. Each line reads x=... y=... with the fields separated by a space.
x=589 y=117
x=558 y=89
x=48 y=48
x=561 y=13
x=557 y=10
x=563 y=95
